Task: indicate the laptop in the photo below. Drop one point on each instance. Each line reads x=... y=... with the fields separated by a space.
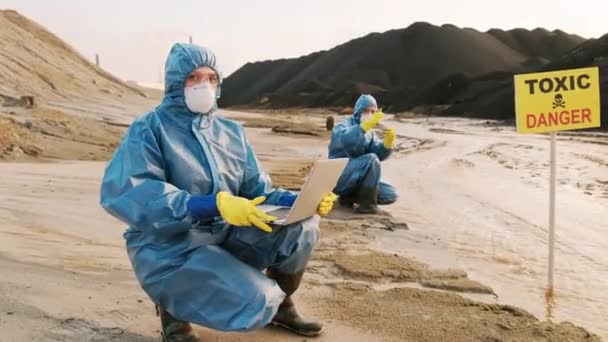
x=321 y=180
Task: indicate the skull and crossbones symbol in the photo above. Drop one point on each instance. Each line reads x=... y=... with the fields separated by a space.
x=558 y=101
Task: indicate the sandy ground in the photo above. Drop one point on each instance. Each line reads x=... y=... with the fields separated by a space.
x=50 y=134
x=491 y=186
x=410 y=277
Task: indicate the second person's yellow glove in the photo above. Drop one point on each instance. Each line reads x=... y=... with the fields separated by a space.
x=327 y=204
x=241 y=212
x=371 y=123
x=389 y=138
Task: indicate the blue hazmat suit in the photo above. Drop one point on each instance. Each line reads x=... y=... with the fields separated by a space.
x=365 y=150
x=206 y=272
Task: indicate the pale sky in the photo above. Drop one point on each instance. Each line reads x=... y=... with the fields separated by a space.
x=133 y=37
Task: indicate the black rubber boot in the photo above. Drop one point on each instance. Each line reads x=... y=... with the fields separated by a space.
x=367 y=198
x=347 y=201
x=174 y=330
x=288 y=317
x=385 y=202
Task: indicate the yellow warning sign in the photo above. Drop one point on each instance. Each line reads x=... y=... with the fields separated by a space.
x=557 y=100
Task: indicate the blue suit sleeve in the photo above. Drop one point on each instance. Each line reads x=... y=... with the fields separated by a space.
x=257 y=183
x=377 y=147
x=353 y=140
x=287 y=200
x=135 y=189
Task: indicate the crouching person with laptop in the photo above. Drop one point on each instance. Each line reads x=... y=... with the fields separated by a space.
x=187 y=183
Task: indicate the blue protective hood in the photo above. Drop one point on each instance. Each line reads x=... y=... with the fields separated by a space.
x=365 y=101
x=182 y=60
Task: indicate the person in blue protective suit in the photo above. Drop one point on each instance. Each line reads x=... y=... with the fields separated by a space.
x=353 y=138
x=187 y=182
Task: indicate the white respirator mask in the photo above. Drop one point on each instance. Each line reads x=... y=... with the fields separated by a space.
x=200 y=98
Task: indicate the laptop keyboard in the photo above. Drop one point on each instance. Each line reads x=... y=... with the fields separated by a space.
x=280 y=213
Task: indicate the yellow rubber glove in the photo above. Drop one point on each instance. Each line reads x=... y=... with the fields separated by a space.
x=389 y=138
x=241 y=212
x=371 y=123
x=327 y=204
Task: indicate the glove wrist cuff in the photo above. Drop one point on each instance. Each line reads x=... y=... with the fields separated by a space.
x=203 y=207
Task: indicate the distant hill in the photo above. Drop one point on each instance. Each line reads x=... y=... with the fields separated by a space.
x=35 y=62
x=394 y=65
x=491 y=95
